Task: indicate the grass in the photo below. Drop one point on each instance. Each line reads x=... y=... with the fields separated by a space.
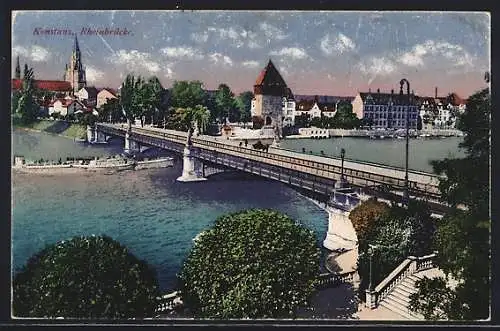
x=62 y=128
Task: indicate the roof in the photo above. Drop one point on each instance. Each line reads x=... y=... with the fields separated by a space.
x=270 y=82
x=110 y=90
x=49 y=85
x=309 y=104
x=92 y=91
x=324 y=98
x=380 y=98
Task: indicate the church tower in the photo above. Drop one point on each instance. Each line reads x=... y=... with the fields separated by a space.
x=18 y=70
x=75 y=73
x=269 y=90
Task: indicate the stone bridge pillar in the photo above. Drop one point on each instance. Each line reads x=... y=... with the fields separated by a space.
x=91 y=133
x=130 y=144
x=341 y=233
x=192 y=169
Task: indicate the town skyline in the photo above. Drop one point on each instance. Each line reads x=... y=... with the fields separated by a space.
x=323 y=53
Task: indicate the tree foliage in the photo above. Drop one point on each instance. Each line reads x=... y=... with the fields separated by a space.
x=85 y=277
x=186 y=94
x=463 y=235
x=244 y=105
x=250 y=264
x=111 y=110
x=397 y=233
x=345 y=118
x=224 y=101
x=26 y=105
x=365 y=216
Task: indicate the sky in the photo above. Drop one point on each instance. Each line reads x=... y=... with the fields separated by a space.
x=317 y=53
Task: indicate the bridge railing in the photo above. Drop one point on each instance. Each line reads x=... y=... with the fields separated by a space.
x=312 y=167
x=327 y=280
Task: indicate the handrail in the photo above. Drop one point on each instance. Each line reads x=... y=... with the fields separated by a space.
x=332 y=279
x=168 y=301
x=408 y=267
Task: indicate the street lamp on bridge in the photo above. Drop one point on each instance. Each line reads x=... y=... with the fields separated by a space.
x=371 y=250
x=406 y=195
x=342 y=179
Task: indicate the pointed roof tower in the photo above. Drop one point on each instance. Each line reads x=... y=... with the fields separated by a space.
x=18 y=69
x=76 y=47
x=270 y=82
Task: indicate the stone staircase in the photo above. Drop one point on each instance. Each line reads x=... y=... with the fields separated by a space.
x=398 y=299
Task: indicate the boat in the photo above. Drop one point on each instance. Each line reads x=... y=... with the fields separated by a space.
x=162 y=162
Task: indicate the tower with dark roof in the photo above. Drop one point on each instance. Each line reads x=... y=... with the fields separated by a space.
x=269 y=90
x=75 y=72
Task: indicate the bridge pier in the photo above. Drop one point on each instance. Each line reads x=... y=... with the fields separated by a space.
x=130 y=144
x=192 y=169
x=341 y=233
x=91 y=133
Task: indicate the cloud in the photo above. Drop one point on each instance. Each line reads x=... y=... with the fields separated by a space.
x=336 y=44
x=199 y=37
x=291 y=52
x=422 y=53
x=272 y=32
x=238 y=36
x=34 y=53
x=250 y=64
x=219 y=58
x=182 y=52
x=377 y=66
x=93 y=74
x=136 y=61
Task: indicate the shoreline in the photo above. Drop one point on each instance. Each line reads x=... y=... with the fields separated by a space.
x=28 y=129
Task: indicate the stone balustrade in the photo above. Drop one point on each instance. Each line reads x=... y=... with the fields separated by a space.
x=408 y=267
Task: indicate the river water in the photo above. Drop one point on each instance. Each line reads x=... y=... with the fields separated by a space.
x=151 y=213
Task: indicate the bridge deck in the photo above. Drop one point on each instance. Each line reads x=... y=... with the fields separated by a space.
x=357 y=173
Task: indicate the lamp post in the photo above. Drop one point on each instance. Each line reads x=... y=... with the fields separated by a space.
x=402 y=82
x=371 y=249
x=342 y=154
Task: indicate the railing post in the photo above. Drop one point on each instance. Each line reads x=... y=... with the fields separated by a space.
x=371 y=299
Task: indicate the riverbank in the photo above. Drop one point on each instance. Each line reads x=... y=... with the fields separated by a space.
x=55 y=127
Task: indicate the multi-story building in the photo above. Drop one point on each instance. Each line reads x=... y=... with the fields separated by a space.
x=440 y=112
x=386 y=110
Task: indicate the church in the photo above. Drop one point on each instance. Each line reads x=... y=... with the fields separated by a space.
x=74 y=77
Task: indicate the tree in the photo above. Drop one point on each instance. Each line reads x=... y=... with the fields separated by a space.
x=152 y=90
x=26 y=105
x=250 y=264
x=397 y=233
x=224 y=101
x=110 y=110
x=85 y=277
x=463 y=235
x=345 y=118
x=186 y=94
x=366 y=215
x=244 y=104
x=302 y=121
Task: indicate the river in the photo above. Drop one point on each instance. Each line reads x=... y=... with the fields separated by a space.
x=151 y=213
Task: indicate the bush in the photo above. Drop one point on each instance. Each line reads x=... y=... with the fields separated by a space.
x=251 y=264
x=85 y=277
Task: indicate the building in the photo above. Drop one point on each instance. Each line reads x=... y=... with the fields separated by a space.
x=88 y=95
x=66 y=106
x=289 y=106
x=386 y=110
x=104 y=95
x=75 y=73
x=440 y=112
x=314 y=108
x=269 y=92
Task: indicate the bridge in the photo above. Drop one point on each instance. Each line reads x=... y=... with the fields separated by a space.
x=318 y=177
x=318 y=174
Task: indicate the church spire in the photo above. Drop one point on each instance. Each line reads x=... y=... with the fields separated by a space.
x=18 y=69
x=76 y=48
